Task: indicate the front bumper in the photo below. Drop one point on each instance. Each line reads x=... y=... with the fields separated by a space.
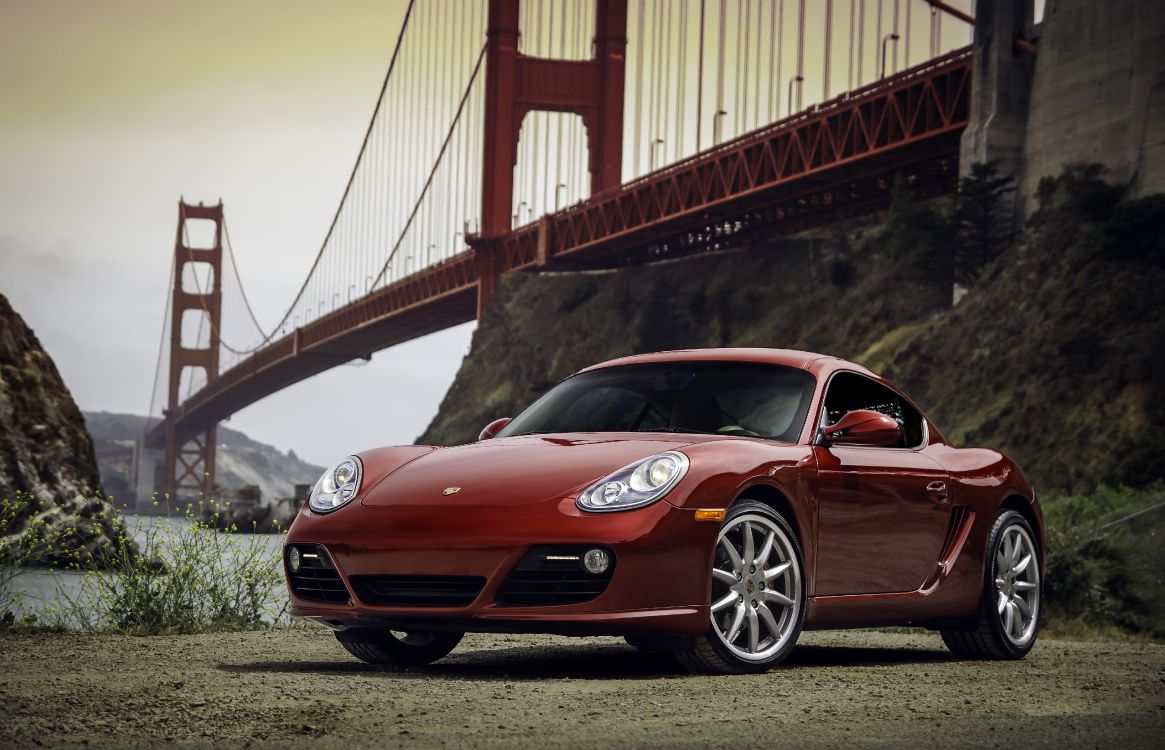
x=660 y=582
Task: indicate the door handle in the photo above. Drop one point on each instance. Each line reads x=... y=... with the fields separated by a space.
x=937 y=491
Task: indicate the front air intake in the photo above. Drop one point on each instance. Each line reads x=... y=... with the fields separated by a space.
x=315 y=576
x=554 y=575
x=417 y=591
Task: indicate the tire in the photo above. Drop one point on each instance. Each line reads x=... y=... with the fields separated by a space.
x=412 y=649
x=1008 y=617
x=758 y=605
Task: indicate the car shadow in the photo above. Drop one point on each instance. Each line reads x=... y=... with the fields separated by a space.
x=602 y=662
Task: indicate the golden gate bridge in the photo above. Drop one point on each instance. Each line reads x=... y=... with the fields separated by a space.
x=513 y=135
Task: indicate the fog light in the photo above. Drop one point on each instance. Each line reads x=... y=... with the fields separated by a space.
x=293 y=560
x=596 y=561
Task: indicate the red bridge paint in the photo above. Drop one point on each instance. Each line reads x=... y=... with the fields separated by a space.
x=835 y=158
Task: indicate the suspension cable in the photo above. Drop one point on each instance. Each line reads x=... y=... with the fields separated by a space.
x=242 y=289
x=436 y=164
x=347 y=189
x=161 y=345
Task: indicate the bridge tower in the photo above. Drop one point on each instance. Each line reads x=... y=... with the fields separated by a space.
x=517 y=84
x=1001 y=85
x=188 y=466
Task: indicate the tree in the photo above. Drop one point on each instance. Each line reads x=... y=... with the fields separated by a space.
x=983 y=219
x=915 y=236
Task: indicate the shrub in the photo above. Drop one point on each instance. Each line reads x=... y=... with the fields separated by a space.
x=188 y=577
x=1104 y=567
x=1136 y=231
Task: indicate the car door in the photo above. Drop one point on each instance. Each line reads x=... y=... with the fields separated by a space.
x=882 y=511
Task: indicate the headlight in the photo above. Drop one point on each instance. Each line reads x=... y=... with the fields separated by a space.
x=636 y=485
x=337 y=486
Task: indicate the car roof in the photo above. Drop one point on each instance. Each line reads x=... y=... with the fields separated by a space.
x=816 y=363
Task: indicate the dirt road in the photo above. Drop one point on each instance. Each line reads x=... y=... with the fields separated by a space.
x=299 y=688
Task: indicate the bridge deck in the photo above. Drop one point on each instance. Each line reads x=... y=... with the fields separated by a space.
x=835 y=157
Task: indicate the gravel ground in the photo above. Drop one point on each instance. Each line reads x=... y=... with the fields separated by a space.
x=299 y=688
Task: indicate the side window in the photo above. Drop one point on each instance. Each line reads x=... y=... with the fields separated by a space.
x=849 y=392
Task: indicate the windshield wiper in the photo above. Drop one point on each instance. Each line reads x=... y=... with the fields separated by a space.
x=684 y=430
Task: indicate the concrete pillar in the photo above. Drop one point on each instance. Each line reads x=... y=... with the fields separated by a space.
x=1098 y=95
x=1000 y=87
x=147 y=465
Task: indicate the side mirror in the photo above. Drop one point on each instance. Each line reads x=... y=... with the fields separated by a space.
x=863 y=427
x=493 y=428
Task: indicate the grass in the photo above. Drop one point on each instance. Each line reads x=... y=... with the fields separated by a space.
x=180 y=578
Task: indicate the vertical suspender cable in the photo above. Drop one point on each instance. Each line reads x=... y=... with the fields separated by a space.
x=828 y=49
x=861 y=39
x=716 y=120
x=773 y=41
x=437 y=162
x=737 y=114
x=895 y=36
x=657 y=85
x=537 y=117
x=747 y=29
x=938 y=33
x=850 y=67
x=700 y=82
x=932 y=52
x=779 y=43
x=760 y=11
x=667 y=85
x=558 y=130
x=638 y=132
x=906 y=39
x=680 y=84
x=800 y=53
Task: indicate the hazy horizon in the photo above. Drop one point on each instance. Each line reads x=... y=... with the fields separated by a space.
x=114 y=111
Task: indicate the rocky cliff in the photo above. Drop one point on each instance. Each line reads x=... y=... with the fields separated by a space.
x=48 y=472
x=1055 y=356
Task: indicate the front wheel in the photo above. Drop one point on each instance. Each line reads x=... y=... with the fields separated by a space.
x=411 y=649
x=758 y=595
x=1008 y=617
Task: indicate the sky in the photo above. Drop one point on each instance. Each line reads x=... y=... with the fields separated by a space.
x=110 y=111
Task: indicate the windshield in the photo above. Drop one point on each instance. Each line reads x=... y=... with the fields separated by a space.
x=719 y=398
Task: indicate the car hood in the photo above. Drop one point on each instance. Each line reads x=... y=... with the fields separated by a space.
x=516 y=470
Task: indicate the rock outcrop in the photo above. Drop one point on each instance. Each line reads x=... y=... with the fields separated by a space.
x=49 y=486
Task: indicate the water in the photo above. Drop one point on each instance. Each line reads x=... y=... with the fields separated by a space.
x=42 y=590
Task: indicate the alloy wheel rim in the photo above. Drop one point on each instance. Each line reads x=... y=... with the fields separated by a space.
x=756 y=587
x=1017 y=585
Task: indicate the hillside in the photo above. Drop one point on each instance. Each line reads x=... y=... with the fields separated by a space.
x=1055 y=355
x=49 y=486
x=240 y=461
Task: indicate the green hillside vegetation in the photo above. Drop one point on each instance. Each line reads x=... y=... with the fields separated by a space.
x=1055 y=354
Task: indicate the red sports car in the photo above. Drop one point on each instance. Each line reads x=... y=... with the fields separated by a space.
x=709 y=502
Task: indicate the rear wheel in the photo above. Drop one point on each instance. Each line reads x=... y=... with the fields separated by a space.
x=758 y=595
x=1008 y=617
x=411 y=649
